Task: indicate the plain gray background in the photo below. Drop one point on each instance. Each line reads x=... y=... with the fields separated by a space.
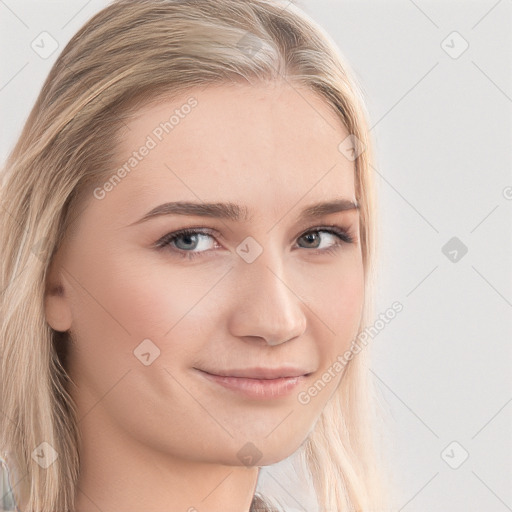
x=441 y=117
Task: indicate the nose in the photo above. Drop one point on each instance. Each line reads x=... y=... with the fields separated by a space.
x=266 y=305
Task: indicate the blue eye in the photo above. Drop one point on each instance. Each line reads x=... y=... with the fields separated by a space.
x=190 y=240
x=189 y=237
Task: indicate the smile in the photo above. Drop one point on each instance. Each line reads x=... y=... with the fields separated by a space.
x=262 y=389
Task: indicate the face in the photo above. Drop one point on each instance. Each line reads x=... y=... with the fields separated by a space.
x=151 y=311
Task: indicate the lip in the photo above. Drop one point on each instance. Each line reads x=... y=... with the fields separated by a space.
x=276 y=383
x=260 y=372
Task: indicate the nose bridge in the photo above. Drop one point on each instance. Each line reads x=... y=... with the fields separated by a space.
x=267 y=306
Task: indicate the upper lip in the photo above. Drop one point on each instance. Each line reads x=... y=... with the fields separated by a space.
x=261 y=372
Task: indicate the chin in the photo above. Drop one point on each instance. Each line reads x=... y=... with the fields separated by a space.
x=266 y=451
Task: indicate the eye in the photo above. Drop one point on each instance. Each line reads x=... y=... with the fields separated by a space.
x=338 y=234
x=191 y=239
x=190 y=243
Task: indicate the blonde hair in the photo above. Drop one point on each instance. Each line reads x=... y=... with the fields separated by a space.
x=130 y=53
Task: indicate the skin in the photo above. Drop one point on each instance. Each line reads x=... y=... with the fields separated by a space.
x=161 y=436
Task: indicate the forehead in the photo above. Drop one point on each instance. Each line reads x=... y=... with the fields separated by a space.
x=267 y=146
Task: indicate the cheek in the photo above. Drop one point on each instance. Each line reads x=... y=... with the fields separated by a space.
x=135 y=302
x=134 y=298
x=119 y=306
x=162 y=300
x=337 y=307
x=337 y=295
x=337 y=301
x=348 y=300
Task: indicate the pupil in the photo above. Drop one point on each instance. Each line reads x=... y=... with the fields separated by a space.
x=188 y=239
x=311 y=237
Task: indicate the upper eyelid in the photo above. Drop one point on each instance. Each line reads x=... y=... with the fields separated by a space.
x=213 y=232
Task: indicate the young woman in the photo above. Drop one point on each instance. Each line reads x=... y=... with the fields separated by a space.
x=188 y=242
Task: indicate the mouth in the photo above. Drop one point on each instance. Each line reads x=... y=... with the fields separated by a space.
x=258 y=383
x=261 y=372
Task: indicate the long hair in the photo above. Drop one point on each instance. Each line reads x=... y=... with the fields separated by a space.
x=130 y=53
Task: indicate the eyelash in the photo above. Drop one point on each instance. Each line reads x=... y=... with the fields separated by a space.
x=341 y=233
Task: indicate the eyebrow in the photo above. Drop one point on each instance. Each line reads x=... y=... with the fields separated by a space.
x=237 y=213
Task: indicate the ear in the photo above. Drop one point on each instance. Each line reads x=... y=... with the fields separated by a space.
x=56 y=300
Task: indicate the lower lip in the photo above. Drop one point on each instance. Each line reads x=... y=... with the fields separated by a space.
x=258 y=388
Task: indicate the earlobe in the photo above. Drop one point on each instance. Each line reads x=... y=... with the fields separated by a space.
x=56 y=302
x=57 y=310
